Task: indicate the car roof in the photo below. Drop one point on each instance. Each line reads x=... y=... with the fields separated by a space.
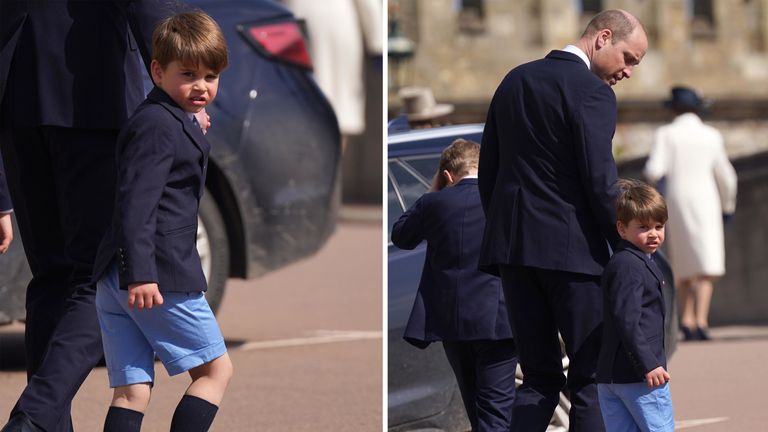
x=421 y=141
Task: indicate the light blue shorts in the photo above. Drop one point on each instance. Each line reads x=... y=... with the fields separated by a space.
x=182 y=332
x=634 y=407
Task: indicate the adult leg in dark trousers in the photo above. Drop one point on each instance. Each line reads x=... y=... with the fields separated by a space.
x=62 y=185
x=485 y=372
x=541 y=302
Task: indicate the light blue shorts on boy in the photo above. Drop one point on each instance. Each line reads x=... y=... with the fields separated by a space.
x=634 y=407
x=182 y=332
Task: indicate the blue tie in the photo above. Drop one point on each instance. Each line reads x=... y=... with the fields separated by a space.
x=194 y=121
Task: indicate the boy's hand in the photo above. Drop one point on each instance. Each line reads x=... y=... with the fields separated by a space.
x=144 y=295
x=204 y=120
x=657 y=377
x=6 y=232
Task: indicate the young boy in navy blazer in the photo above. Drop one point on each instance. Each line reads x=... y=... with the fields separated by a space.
x=631 y=370
x=149 y=297
x=456 y=303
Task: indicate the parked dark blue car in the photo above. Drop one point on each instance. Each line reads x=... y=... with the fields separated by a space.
x=271 y=192
x=423 y=394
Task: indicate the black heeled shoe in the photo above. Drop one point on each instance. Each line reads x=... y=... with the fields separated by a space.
x=689 y=334
x=702 y=334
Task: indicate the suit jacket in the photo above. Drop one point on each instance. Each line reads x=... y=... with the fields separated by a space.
x=5 y=196
x=455 y=301
x=161 y=161
x=74 y=63
x=633 y=329
x=547 y=174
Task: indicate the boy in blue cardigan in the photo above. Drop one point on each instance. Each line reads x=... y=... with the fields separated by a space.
x=631 y=370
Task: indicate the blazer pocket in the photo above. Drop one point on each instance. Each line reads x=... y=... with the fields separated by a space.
x=179 y=230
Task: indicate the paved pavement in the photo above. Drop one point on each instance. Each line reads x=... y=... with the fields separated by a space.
x=305 y=342
x=720 y=385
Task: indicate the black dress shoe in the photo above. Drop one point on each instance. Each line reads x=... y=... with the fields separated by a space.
x=20 y=423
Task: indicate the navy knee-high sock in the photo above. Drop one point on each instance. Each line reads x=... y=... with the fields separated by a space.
x=122 y=420
x=193 y=415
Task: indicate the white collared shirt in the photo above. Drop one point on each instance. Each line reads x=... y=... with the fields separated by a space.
x=573 y=49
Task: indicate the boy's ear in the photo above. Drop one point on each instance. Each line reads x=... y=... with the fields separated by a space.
x=449 y=178
x=621 y=229
x=157 y=71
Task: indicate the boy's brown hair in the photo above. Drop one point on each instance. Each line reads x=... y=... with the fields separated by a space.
x=638 y=200
x=191 y=38
x=460 y=157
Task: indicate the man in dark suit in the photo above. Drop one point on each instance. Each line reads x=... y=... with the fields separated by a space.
x=70 y=75
x=546 y=179
x=456 y=303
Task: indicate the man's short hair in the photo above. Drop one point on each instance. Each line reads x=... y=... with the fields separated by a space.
x=192 y=39
x=460 y=157
x=620 y=23
x=638 y=200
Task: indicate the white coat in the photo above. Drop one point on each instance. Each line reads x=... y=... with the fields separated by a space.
x=337 y=30
x=700 y=188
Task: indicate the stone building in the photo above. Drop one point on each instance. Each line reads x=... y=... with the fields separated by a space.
x=463 y=48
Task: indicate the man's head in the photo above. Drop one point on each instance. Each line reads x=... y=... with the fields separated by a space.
x=458 y=160
x=641 y=212
x=188 y=54
x=615 y=42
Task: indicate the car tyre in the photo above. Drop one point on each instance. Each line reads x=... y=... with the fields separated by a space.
x=213 y=247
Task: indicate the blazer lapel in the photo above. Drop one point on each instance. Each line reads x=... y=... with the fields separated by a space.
x=190 y=129
x=623 y=244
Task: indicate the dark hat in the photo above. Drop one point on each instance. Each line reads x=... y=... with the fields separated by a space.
x=685 y=98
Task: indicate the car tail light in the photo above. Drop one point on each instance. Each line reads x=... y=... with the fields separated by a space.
x=282 y=41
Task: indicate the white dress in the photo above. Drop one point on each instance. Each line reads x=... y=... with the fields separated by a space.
x=700 y=187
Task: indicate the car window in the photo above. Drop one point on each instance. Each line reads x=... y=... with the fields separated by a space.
x=424 y=165
x=406 y=185
x=394 y=208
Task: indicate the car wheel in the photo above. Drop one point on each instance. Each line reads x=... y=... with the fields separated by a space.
x=213 y=247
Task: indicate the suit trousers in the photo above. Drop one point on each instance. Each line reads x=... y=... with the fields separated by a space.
x=485 y=372
x=542 y=303
x=62 y=184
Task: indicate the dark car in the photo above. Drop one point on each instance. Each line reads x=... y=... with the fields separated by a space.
x=271 y=191
x=423 y=394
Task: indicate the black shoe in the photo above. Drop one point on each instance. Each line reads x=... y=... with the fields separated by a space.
x=702 y=334
x=20 y=423
x=688 y=334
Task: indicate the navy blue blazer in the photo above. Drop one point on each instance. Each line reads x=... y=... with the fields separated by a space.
x=455 y=301
x=547 y=174
x=75 y=63
x=161 y=165
x=633 y=327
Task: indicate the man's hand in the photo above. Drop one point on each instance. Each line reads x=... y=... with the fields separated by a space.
x=144 y=295
x=657 y=377
x=204 y=119
x=6 y=232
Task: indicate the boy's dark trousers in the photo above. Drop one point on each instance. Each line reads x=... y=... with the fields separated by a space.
x=62 y=185
x=485 y=372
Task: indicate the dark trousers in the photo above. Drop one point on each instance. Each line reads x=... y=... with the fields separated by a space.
x=542 y=303
x=485 y=372
x=62 y=185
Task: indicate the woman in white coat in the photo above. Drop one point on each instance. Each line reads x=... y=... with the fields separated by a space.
x=700 y=194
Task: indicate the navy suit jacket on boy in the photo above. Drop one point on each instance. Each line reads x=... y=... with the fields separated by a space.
x=633 y=330
x=455 y=301
x=162 y=158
